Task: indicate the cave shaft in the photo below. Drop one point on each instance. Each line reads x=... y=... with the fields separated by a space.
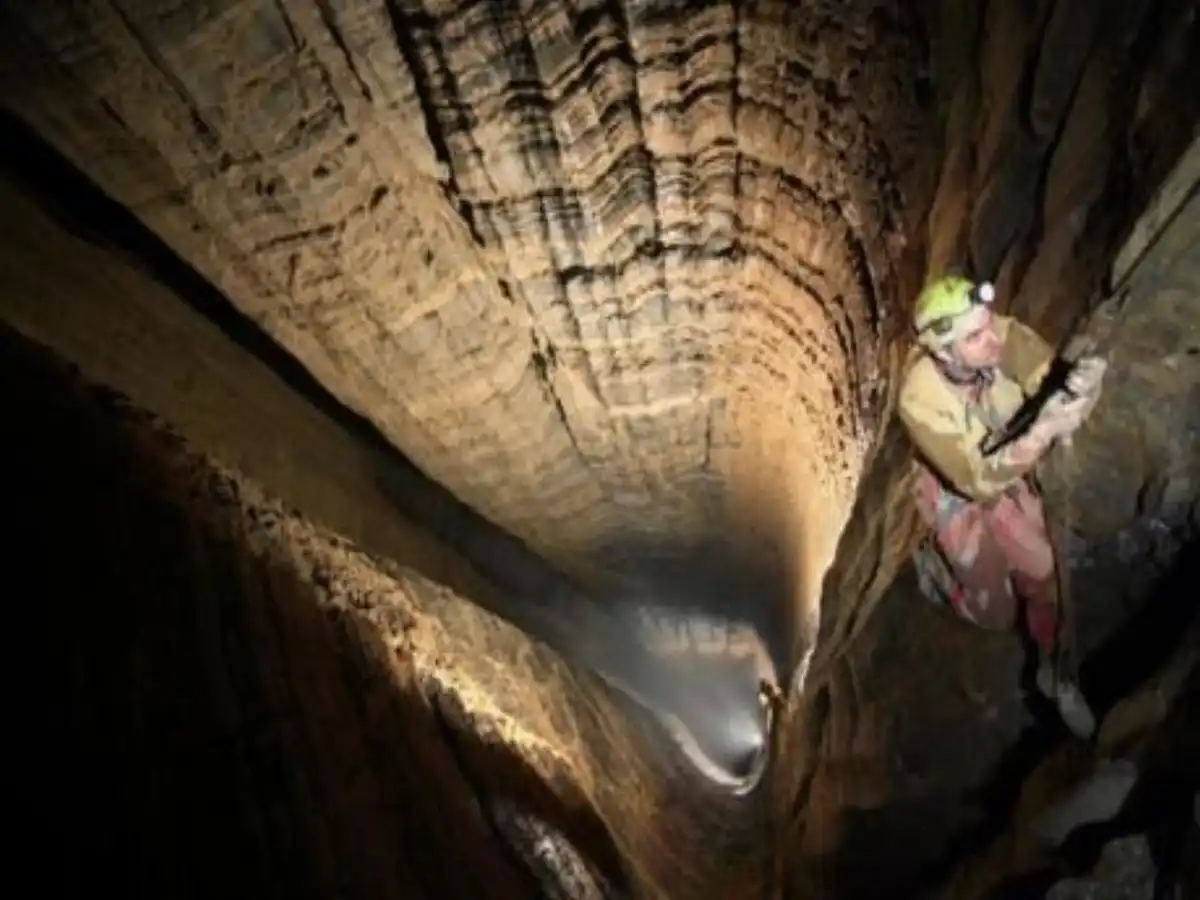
x=626 y=281
x=607 y=273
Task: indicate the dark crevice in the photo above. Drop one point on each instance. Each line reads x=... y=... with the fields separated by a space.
x=996 y=799
x=405 y=30
x=816 y=715
x=1113 y=671
x=204 y=131
x=329 y=20
x=482 y=801
x=494 y=775
x=1160 y=808
x=1154 y=632
x=543 y=361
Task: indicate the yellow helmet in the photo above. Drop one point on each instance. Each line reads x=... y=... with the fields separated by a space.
x=939 y=316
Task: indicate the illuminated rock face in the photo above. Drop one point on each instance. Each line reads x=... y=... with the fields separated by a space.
x=597 y=267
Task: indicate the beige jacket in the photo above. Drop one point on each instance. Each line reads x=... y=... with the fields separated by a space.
x=947 y=426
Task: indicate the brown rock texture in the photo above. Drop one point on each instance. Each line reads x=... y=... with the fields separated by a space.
x=256 y=704
x=648 y=253
x=225 y=721
x=629 y=280
x=1055 y=212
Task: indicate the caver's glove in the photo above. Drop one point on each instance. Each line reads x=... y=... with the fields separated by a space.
x=1086 y=376
x=1061 y=416
x=1067 y=410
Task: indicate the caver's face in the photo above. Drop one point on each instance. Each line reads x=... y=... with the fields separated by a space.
x=980 y=348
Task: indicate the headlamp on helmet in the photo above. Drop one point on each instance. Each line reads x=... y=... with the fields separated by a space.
x=946 y=307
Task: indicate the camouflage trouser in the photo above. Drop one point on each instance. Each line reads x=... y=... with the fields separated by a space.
x=1000 y=554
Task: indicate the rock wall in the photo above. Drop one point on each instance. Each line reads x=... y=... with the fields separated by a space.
x=240 y=701
x=210 y=724
x=1061 y=124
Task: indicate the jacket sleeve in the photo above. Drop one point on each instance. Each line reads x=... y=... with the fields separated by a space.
x=949 y=442
x=1027 y=357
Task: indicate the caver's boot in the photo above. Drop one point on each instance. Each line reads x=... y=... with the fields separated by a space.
x=1065 y=694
